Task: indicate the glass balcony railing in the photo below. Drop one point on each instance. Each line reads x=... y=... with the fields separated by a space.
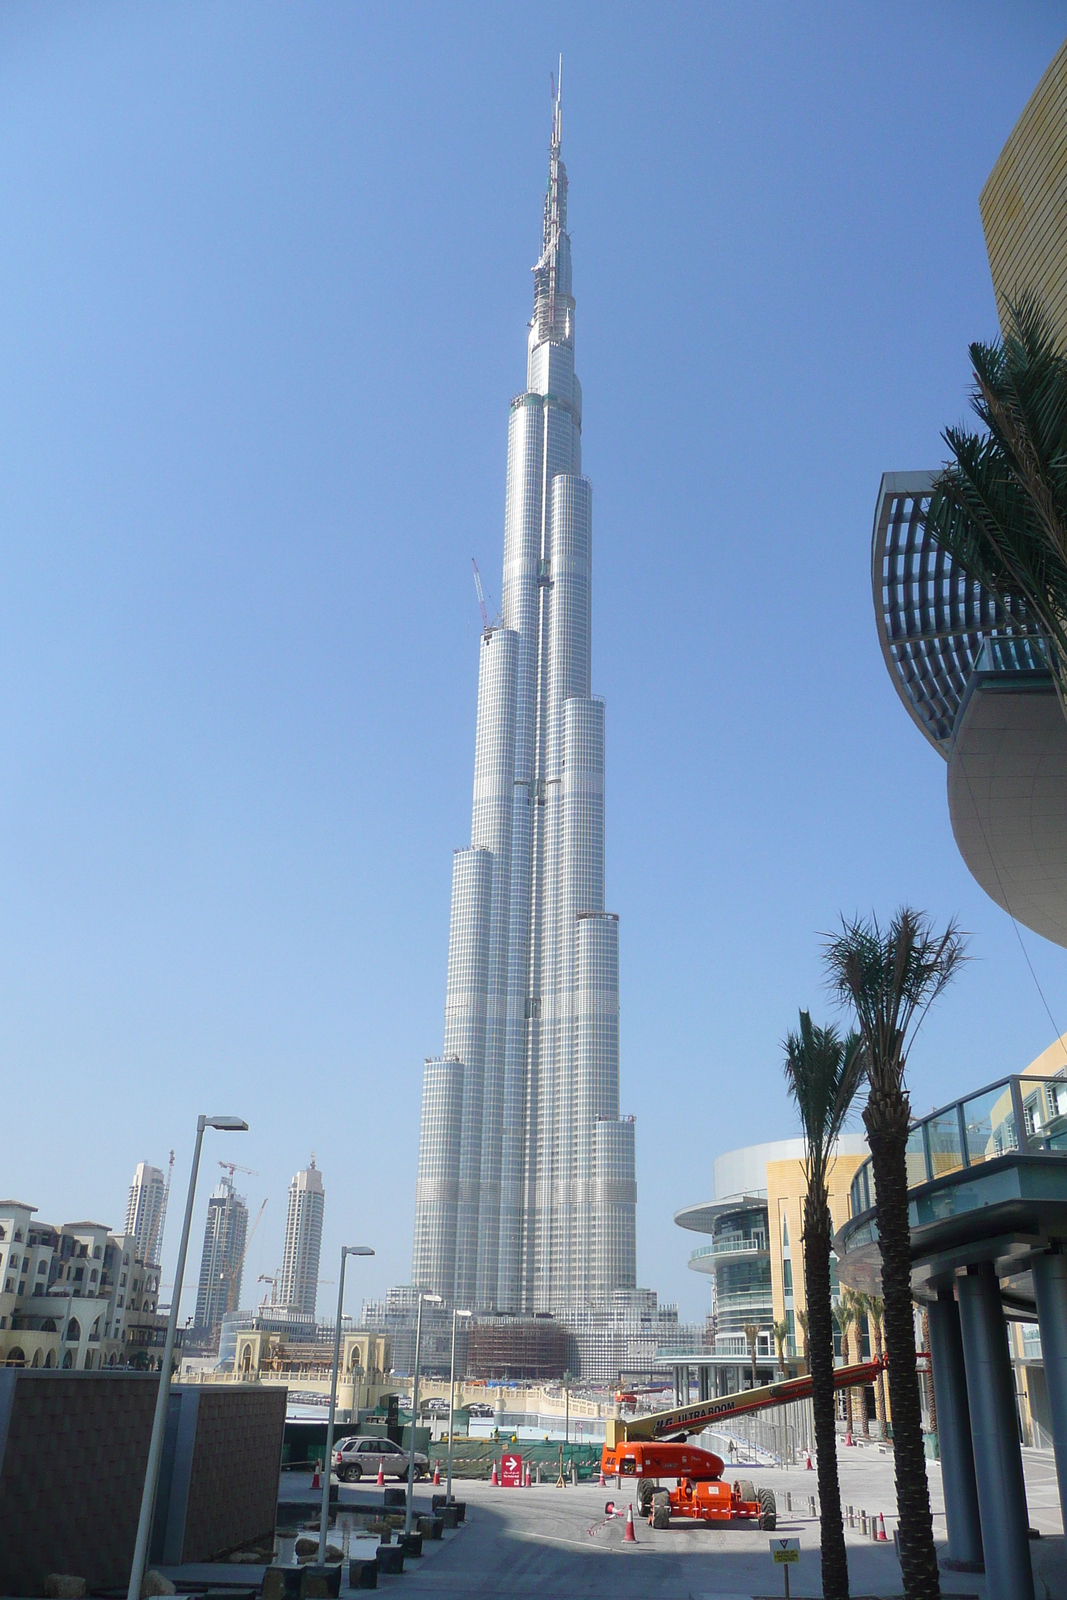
x=730 y=1247
x=1013 y=653
x=1017 y=1113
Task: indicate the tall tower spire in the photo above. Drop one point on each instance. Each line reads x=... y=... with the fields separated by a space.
x=526 y=1199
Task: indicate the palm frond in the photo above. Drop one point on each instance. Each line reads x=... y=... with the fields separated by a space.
x=823 y=1071
x=891 y=977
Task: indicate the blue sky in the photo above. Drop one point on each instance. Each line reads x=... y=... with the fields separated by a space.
x=264 y=280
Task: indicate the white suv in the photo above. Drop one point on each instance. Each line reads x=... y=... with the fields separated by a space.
x=358 y=1458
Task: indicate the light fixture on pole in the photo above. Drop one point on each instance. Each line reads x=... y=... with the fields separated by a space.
x=155 y=1449
x=452 y=1402
x=434 y=1300
x=324 y=1519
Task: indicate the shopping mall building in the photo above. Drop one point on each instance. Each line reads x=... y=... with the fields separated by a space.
x=988 y=1173
x=754 y=1256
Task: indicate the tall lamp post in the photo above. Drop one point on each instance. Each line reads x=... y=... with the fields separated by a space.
x=324 y=1519
x=434 y=1300
x=159 y=1421
x=452 y=1403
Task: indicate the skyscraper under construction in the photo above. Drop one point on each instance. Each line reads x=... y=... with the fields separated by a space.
x=526 y=1197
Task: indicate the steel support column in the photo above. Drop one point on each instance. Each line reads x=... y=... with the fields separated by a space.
x=995 y=1436
x=954 y=1437
x=703 y=1375
x=1050 y=1290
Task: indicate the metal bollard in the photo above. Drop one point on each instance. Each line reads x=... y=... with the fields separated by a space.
x=788 y=1501
x=863 y=1523
x=851 y=1518
x=811 y=1505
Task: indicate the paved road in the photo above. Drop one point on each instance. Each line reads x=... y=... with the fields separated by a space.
x=555 y=1544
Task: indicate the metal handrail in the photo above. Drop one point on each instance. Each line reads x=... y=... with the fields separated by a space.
x=1026 y=1143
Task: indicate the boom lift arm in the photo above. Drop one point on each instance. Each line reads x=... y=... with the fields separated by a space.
x=683 y=1421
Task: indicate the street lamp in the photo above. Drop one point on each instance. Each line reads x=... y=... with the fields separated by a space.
x=155 y=1449
x=346 y=1251
x=434 y=1299
x=452 y=1402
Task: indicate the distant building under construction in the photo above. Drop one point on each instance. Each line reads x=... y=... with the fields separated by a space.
x=519 y=1349
x=222 y=1262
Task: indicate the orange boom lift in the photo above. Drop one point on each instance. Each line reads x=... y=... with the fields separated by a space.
x=656 y=1446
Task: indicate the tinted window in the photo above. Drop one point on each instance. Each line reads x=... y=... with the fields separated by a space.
x=369 y=1447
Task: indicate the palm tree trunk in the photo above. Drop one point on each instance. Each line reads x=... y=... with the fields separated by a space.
x=861 y=1392
x=820 y=1338
x=886 y=1116
x=879 y=1382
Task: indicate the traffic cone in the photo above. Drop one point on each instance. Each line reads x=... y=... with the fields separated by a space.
x=848 y=1440
x=807 y=1461
x=316 y=1476
x=628 y=1535
x=437 y=1474
x=529 y=1479
x=381 y=1473
x=493 y=1479
x=881 y=1534
x=602 y=1484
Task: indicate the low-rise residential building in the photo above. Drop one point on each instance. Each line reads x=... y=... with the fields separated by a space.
x=75 y=1297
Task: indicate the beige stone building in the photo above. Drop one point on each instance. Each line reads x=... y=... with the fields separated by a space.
x=75 y=1297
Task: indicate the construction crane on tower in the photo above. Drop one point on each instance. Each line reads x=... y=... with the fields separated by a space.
x=231 y=1167
x=487 y=626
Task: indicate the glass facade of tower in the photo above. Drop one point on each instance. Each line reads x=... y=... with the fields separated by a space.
x=526 y=1196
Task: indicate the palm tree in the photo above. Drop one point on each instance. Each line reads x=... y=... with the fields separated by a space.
x=891 y=976
x=1000 y=504
x=858 y=1302
x=845 y=1316
x=802 y=1318
x=751 y=1331
x=781 y=1334
x=823 y=1072
x=875 y=1313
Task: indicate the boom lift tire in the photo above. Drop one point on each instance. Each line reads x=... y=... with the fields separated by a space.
x=645 y=1490
x=746 y=1489
x=661 y=1509
x=768 y=1516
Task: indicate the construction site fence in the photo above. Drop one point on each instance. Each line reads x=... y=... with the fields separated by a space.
x=473 y=1458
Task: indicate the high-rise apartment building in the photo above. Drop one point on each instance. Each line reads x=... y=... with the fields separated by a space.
x=222 y=1261
x=526 y=1197
x=144 y=1210
x=303 y=1241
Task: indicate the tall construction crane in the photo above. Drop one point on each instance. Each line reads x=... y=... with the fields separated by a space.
x=156 y=1245
x=233 y=1273
x=231 y=1167
x=486 y=624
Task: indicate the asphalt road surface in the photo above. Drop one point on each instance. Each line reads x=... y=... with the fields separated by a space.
x=555 y=1544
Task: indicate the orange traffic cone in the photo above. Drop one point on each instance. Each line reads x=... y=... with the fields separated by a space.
x=528 y=1481
x=881 y=1534
x=807 y=1461
x=381 y=1473
x=493 y=1479
x=628 y=1535
x=437 y=1473
x=316 y=1476
x=602 y=1478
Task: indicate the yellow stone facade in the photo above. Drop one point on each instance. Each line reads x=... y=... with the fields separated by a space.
x=1022 y=202
x=786 y=1188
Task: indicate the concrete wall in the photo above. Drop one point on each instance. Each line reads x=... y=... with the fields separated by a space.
x=73 y=1451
